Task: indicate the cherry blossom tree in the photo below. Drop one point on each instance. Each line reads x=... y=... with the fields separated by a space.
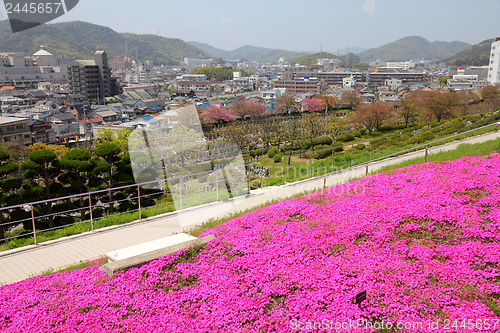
x=219 y=113
x=312 y=104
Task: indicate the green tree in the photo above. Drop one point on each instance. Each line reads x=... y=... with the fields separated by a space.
x=118 y=136
x=7 y=184
x=313 y=127
x=110 y=153
x=42 y=170
x=77 y=164
x=443 y=81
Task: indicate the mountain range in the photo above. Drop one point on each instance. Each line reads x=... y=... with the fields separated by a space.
x=476 y=55
x=260 y=54
x=413 y=48
x=80 y=40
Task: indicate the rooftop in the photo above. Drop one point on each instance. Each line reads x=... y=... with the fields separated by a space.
x=8 y=120
x=42 y=52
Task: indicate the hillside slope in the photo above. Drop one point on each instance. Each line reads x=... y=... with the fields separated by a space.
x=248 y=52
x=80 y=40
x=413 y=48
x=423 y=242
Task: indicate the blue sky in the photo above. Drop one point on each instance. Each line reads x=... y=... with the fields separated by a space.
x=296 y=24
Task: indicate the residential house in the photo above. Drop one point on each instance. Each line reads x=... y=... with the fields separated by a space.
x=42 y=131
x=65 y=125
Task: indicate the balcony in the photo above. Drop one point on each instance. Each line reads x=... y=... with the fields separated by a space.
x=15 y=131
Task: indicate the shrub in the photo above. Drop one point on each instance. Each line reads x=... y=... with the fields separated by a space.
x=337 y=146
x=304 y=144
x=345 y=137
x=203 y=178
x=360 y=146
x=322 y=152
x=357 y=134
x=271 y=153
x=258 y=152
x=324 y=140
x=390 y=128
x=277 y=158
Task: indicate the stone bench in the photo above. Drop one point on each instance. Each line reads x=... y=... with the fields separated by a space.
x=138 y=255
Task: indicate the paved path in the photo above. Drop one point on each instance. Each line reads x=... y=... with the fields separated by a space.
x=19 y=264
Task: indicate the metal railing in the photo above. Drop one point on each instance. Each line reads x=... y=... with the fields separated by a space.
x=184 y=191
x=166 y=195
x=350 y=162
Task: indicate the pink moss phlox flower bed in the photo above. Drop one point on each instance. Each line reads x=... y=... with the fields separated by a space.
x=423 y=241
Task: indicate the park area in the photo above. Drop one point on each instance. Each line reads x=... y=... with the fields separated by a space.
x=423 y=242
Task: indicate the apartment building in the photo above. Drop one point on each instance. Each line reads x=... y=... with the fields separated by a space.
x=92 y=78
x=301 y=85
x=15 y=131
x=494 y=69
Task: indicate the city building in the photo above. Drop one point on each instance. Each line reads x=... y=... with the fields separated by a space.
x=92 y=78
x=400 y=65
x=494 y=69
x=16 y=69
x=15 y=131
x=198 y=62
x=301 y=85
x=466 y=82
x=192 y=77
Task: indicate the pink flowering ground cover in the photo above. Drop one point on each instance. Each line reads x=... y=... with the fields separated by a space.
x=423 y=241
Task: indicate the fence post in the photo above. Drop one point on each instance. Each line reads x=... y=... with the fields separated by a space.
x=33 y=223
x=284 y=166
x=180 y=192
x=367 y=169
x=91 y=217
x=217 y=183
x=262 y=181
x=426 y=152
x=352 y=149
x=332 y=160
x=248 y=181
x=310 y=165
x=139 y=200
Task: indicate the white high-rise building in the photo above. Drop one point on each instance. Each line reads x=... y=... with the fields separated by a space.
x=494 y=69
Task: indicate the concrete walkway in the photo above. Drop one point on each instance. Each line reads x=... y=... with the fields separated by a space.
x=19 y=264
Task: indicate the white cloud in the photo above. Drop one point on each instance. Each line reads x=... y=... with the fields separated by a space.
x=369 y=7
x=226 y=19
